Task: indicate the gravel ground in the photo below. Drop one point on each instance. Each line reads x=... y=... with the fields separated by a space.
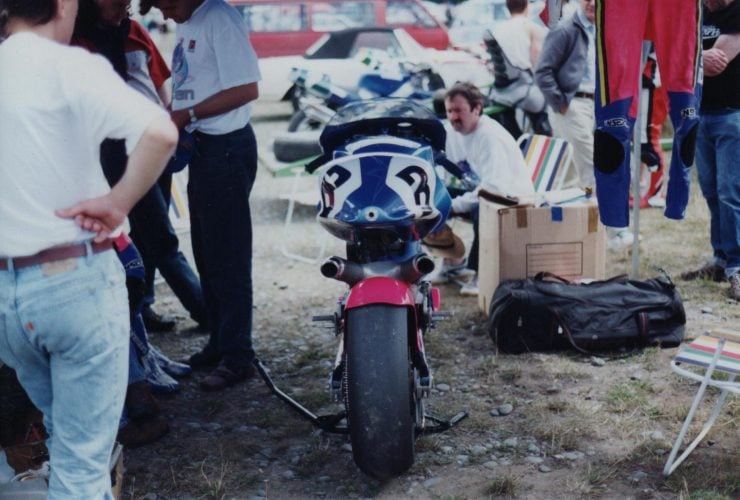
x=540 y=425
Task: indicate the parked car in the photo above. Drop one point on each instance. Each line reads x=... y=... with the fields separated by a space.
x=336 y=55
x=290 y=27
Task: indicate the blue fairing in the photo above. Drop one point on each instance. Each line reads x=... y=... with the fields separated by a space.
x=379 y=85
x=380 y=185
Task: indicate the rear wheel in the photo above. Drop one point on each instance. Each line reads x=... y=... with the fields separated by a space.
x=380 y=403
x=294 y=146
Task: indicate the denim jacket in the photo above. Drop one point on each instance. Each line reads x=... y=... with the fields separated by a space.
x=562 y=62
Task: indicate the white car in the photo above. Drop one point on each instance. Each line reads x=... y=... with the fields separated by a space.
x=336 y=54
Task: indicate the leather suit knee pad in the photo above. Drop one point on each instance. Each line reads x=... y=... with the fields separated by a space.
x=608 y=152
x=688 y=146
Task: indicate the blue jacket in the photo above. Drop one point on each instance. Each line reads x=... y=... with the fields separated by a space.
x=562 y=62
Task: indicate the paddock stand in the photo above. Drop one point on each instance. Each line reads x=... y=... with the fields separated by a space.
x=332 y=422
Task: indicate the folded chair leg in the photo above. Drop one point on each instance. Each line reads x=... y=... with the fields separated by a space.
x=671 y=465
x=674 y=462
x=286 y=230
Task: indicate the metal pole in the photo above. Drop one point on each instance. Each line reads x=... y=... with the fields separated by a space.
x=636 y=170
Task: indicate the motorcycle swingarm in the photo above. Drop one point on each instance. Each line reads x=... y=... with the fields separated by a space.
x=332 y=422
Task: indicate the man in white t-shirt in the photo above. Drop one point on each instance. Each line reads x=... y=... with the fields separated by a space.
x=62 y=291
x=482 y=147
x=215 y=75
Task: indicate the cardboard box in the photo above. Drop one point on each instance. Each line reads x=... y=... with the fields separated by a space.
x=520 y=241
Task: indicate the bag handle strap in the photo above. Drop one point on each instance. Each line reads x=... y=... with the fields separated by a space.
x=548 y=276
x=569 y=335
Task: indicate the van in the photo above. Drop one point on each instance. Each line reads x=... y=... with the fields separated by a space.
x=289 y=27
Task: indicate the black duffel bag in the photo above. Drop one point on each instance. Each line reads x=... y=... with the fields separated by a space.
x=548 y=312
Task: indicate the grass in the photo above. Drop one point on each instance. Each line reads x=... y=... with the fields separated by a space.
x=320 y=452
x=506 y=486
x=629 y=396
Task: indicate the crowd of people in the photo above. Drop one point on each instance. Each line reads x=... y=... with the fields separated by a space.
x=86 y=142
x=563 y=62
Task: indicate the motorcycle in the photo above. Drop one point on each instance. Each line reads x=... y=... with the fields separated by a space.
x=514 y=100
x=381 y=194
x=317 y=98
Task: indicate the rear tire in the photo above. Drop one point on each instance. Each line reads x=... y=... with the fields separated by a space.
x=380 y=403
x=293 y=146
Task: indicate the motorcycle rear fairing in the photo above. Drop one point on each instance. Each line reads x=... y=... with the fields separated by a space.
x=380 y=290
x=380 y=189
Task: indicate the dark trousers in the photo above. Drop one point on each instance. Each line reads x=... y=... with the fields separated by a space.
x=154 y=236
x=472 y=217
x=222 y=172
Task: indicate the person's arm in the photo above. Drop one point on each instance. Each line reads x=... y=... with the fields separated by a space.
x=164 y=92
x=725 y=49
x=146 y=162
x=551 y=59
x=219 y=103
x=729 y=44
x=536 y=40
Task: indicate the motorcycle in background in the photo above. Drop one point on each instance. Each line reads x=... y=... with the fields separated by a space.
x=381 y=194
x=318 y=98
x=515 y=101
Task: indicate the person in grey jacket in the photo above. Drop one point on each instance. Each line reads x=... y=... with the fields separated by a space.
x=566 y=75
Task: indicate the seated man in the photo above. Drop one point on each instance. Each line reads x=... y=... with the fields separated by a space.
x=488 y=154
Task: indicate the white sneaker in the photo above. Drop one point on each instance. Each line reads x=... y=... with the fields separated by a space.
x=42 y=472
x=448 y=271
x=657 y=201
x=470 y=288
x=623 y=238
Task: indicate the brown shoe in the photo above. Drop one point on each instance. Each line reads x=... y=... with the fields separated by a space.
x=140 y=432
x=139 y=401
x=735 y=286
x=223 y=377
x=709 y=272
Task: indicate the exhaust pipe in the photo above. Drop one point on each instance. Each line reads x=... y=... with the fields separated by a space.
x=341 y=270
x=416 y=267
x=349 y=272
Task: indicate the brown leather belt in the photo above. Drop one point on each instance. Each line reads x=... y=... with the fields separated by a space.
x=55 y=253
x=585 y=95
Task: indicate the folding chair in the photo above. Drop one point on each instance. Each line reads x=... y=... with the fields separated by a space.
x=548 y=160
x=308 y=198
x=296 y=170
x=714 y=359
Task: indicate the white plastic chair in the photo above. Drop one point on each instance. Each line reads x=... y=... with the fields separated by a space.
x=307 y=198
x=714 y=360
x=296 y=170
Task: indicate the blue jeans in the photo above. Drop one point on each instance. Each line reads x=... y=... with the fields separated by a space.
x=222 y=172
x=65 y=331
x=718 y=169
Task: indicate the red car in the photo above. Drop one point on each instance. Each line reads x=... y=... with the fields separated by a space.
x=289 y=27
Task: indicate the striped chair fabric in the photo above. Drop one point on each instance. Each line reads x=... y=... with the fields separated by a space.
x=548 y=160
x=701 y=351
